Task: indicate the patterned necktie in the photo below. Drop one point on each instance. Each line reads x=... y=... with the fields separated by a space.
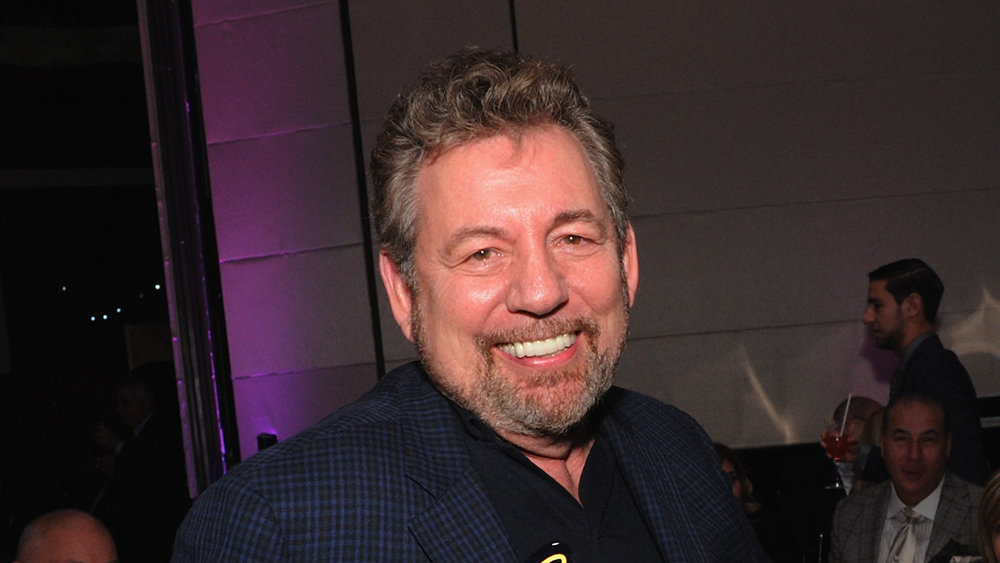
x=904 y=545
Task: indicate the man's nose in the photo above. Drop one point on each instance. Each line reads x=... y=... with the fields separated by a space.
x=869 y=317
x=539 y=286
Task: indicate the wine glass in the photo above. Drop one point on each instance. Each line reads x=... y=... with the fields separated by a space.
x=836 y=442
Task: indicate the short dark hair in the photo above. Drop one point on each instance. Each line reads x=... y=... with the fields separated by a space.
x=475 y=95
x=911 y=275
x=919 y=398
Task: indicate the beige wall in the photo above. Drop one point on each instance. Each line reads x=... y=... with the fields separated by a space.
x=777 y=152
x=288 y=219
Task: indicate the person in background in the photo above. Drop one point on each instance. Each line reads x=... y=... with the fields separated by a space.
x=742 y=487
x=860 y=438
x=924 y=513
x=147 y=495
x=903 y=302
x=771 y=534
x=66 y=536
x=989 y=521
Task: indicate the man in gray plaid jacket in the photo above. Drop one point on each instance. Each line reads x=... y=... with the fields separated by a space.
x=924 y=513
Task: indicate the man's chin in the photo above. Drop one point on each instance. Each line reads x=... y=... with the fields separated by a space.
x=549 y=409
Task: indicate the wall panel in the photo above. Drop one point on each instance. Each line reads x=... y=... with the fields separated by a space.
x=777 y=152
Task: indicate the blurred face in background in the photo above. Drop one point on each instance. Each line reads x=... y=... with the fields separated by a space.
x=132 y=406
x=727 y=467
x=916 y=449
x=884 y=317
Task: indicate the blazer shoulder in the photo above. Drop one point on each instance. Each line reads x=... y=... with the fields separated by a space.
x=932 y=355
x=961 y=490
x=358 y=430
x=859 y=503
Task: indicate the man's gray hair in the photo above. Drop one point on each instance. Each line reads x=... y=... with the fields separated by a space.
x=471 y=96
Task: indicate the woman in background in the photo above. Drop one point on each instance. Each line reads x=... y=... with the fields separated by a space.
x=742 y=488
x=770 y=534
x=989 y=521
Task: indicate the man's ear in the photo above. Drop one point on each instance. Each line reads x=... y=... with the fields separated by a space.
x=400 y=298
x=630 y=264
x=913 y=306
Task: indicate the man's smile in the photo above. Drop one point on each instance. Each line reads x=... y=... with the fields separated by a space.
x=535 y=348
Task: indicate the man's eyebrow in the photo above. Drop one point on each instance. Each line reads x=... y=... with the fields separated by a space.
x=468 y=233
x=584 y=215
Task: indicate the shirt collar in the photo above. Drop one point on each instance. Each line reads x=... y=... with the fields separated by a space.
x=908 y=351
x=926 y=508
x=473 y=425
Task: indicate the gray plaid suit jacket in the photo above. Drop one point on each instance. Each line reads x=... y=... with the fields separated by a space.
x=858 y=520
x=389 y=479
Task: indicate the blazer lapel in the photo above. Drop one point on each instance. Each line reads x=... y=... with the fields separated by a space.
x=659 y=500
x=457 y=523
x=462 y=526
x=871 y=536
x=949 y=516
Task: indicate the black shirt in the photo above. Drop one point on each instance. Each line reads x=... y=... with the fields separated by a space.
x=537 y=511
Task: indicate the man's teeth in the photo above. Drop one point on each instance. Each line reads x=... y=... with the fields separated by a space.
x=539 y=347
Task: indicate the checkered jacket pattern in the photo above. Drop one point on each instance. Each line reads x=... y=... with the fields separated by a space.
x=388 y=478
x=858 y=520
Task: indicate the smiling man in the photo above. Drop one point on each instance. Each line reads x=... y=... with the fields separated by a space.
x=924 y=512
x=510 y=263
x=903 y=301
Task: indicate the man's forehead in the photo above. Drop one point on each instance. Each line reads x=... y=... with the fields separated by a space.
x=556 y=167
x=877 y=288
x=918 y=418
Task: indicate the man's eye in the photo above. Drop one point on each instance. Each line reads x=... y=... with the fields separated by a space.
x=573 y=239
x=484 y=254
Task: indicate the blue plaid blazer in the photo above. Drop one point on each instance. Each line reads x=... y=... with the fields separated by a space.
x=388 y=478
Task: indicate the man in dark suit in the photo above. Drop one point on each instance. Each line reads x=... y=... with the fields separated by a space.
x=903 y=301
x=509 y=261
x=924 y=513
x=146 y=496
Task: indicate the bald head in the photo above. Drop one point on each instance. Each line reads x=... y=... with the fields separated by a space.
x=861 y=407
x=861 y=411
x=66 y=536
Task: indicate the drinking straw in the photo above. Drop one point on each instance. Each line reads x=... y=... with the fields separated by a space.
x=843 y=423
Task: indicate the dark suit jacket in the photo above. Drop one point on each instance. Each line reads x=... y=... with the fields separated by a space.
x=858 y=521
x=936 y=371
x=389 y=478
x=148 y=493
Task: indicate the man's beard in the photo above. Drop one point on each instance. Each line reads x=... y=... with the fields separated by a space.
x=508 y=403
x=890 y=340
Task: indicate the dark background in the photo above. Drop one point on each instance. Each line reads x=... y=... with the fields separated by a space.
x=79 y=239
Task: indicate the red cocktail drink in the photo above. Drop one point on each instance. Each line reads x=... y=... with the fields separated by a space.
x=836 y=446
